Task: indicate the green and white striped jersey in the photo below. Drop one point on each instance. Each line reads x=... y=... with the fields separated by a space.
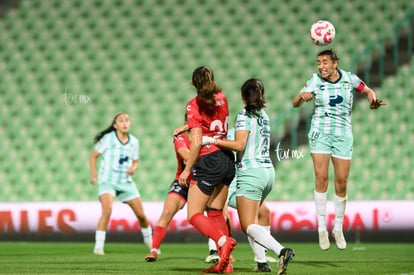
x=116 y=159
x=333 y=102
x=256 y=153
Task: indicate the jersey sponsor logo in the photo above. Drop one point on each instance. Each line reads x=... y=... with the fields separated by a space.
x=122 y=160
x=262 y=121
x=335 y=99
x=220 y=102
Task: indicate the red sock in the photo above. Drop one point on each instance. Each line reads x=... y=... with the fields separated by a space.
x=158 y=236
x=206 y=226
x=218 y=218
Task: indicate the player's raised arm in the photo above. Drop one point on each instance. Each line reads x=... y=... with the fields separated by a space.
x=302 y=97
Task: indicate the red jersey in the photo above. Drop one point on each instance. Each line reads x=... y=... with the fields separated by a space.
x=179 y=142
x=213 y=122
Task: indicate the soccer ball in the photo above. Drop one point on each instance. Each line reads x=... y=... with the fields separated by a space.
x=322 y=32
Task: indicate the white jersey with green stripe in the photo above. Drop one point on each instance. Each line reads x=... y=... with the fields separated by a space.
x=256 y=153
x=116 y=159
x=333 y=102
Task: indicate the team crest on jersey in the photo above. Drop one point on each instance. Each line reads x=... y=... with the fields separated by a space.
x=346 y=85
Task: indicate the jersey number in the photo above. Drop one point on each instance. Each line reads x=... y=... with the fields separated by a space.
x=265 y=146
x=222 y=129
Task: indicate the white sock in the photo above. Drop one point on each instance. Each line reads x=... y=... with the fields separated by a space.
x=266 y=227
x=258 y=250
x=222 y=241
x=320 y=203
x=263 y=238
x=340 y=205
x=212 y=245
x=100 y=239
x=147 y=236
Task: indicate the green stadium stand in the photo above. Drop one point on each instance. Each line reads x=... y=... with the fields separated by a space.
x=67 y=67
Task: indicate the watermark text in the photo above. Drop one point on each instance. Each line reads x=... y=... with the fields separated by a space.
x=75 y=98
x=282 y=153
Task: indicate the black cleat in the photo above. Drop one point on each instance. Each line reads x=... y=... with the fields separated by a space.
x=262 y=267
x=286 y=255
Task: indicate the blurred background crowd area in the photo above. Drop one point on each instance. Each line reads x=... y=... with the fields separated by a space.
x=67 y=67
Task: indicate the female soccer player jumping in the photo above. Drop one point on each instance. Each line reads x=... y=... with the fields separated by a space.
x=330 y=136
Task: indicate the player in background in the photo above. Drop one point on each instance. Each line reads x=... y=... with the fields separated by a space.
x=255 y=174
x=212 y=169
x=120 y=159
x=177 y=195
x=330 y=135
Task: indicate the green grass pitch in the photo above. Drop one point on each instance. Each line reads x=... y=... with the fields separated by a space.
x=188 y=258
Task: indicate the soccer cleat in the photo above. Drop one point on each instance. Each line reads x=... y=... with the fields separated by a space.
x=212 y=269
x=98 y=251
x=339 y=239
x=286 y=255
x=213 y=257
x=262 y=267
x=225 y=251
x=215 y=269
x=151 y=257
x=228 y=269
x=324 y=243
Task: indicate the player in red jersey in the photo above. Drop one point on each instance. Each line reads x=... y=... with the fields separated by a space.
x=212 y=168
x=176 y=198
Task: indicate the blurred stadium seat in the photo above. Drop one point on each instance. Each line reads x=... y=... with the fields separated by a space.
x=67 y=67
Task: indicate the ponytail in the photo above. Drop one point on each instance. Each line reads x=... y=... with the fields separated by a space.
x=111 y=128
x=252 y=92
x=203 y=81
